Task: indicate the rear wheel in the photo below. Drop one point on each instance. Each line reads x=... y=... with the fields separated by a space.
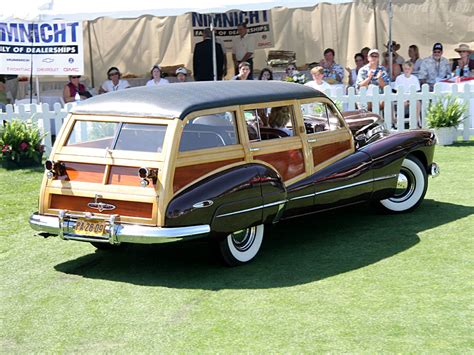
x=241 y=246
x=411 y=187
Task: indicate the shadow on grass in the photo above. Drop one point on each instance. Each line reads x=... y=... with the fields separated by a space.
x=463 y=144
x=294 y=252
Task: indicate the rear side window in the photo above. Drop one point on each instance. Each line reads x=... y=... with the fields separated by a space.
x=117 y=136
x=270 y=123
x=209 y=131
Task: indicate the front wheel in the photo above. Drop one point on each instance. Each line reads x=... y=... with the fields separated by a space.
x=242 y=246
x=411 y=187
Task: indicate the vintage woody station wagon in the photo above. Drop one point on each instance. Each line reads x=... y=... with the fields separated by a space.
x=219 y=160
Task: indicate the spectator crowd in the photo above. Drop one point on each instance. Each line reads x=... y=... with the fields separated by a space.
x=371 y=68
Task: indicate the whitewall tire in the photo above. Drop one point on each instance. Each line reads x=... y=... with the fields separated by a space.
x=241 y=246
x=411 y=187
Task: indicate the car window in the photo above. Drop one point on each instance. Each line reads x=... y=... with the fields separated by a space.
x=117 y=136
x=209 y=131
x=141 y=138
x=270 y=123
x=320 y=117
x=93 y=134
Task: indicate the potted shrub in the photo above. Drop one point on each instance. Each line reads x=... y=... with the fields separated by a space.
x=20 y=143
x=444 y=116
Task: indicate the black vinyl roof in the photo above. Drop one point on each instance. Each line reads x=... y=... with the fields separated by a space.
x=180 y=99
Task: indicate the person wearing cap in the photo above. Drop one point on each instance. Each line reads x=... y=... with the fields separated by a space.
x=243 y=48
x=114 y=83
x=397 y=58
x=181 y=74
x=464 y=52
x=156 y=78
x=203 y=65
x=435 y=67
x=396 y=68
x=372 y=73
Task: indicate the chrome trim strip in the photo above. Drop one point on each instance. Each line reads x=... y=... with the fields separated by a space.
x=252 y=208
x=301 y=197
x=118 y=233
x=345 y=187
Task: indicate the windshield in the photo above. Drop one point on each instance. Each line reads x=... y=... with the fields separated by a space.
x=117 y=136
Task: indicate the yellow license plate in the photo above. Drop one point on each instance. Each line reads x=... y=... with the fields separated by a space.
x=90 y=227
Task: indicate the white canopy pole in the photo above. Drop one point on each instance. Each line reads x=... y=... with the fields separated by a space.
x=390 y=45
x=214 y=59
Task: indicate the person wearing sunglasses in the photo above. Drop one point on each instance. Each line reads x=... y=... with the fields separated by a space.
x=464 y=53
x=114 y=83
x=435 y=67
x=73 y=87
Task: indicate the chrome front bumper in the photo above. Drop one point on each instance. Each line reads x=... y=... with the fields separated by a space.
x=434 y=170
x=64 y=225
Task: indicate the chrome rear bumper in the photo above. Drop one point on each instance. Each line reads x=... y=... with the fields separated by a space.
x=64 y=225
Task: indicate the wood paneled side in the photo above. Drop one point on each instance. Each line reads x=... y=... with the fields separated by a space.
x=288 y=163
x=327 y=151
x=85 y=172
x=123 y=208
x=124 y=175
x=187 y=174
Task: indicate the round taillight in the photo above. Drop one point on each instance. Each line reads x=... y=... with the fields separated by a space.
x=49 y=165
x=143 y=173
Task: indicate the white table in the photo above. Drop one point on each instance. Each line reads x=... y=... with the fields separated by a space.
x=51 y=97
x=447 y=87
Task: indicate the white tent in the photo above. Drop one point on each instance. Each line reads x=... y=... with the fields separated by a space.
x=92 y=9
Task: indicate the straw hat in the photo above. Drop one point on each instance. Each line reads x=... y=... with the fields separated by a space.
x=463 y=47
x=395 y=46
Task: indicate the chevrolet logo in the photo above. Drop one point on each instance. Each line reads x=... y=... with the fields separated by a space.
x=101 y=206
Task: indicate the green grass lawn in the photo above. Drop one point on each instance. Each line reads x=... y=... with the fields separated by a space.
x=345 y=281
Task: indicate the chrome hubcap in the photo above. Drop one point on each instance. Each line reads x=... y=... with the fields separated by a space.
x=405 y=186
x=402 y=184
x=243 y=239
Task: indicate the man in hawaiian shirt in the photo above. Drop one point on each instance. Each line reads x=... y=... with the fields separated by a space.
x=333 y=73
x=434 y=68
x=372 y=73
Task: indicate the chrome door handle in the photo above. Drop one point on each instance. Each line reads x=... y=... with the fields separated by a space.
x=203 y=204
x=312 y=140
x=254 y=149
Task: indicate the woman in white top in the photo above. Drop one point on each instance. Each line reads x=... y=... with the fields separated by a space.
x=156 y=78
x=359 y=61
x=318 y=83
x=114 y=83
x=414 y=54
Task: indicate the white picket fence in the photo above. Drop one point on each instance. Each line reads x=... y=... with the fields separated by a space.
x=395 y=111
x=51 y=120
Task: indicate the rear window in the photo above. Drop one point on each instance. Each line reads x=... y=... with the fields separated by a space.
x=117 y=136
x=209 y=131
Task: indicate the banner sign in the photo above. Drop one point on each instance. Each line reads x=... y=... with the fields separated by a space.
x=225 y=26
x=43 y=48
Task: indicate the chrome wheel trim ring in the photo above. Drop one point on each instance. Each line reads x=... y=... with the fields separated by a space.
x=406 y=185
x=242 y=240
